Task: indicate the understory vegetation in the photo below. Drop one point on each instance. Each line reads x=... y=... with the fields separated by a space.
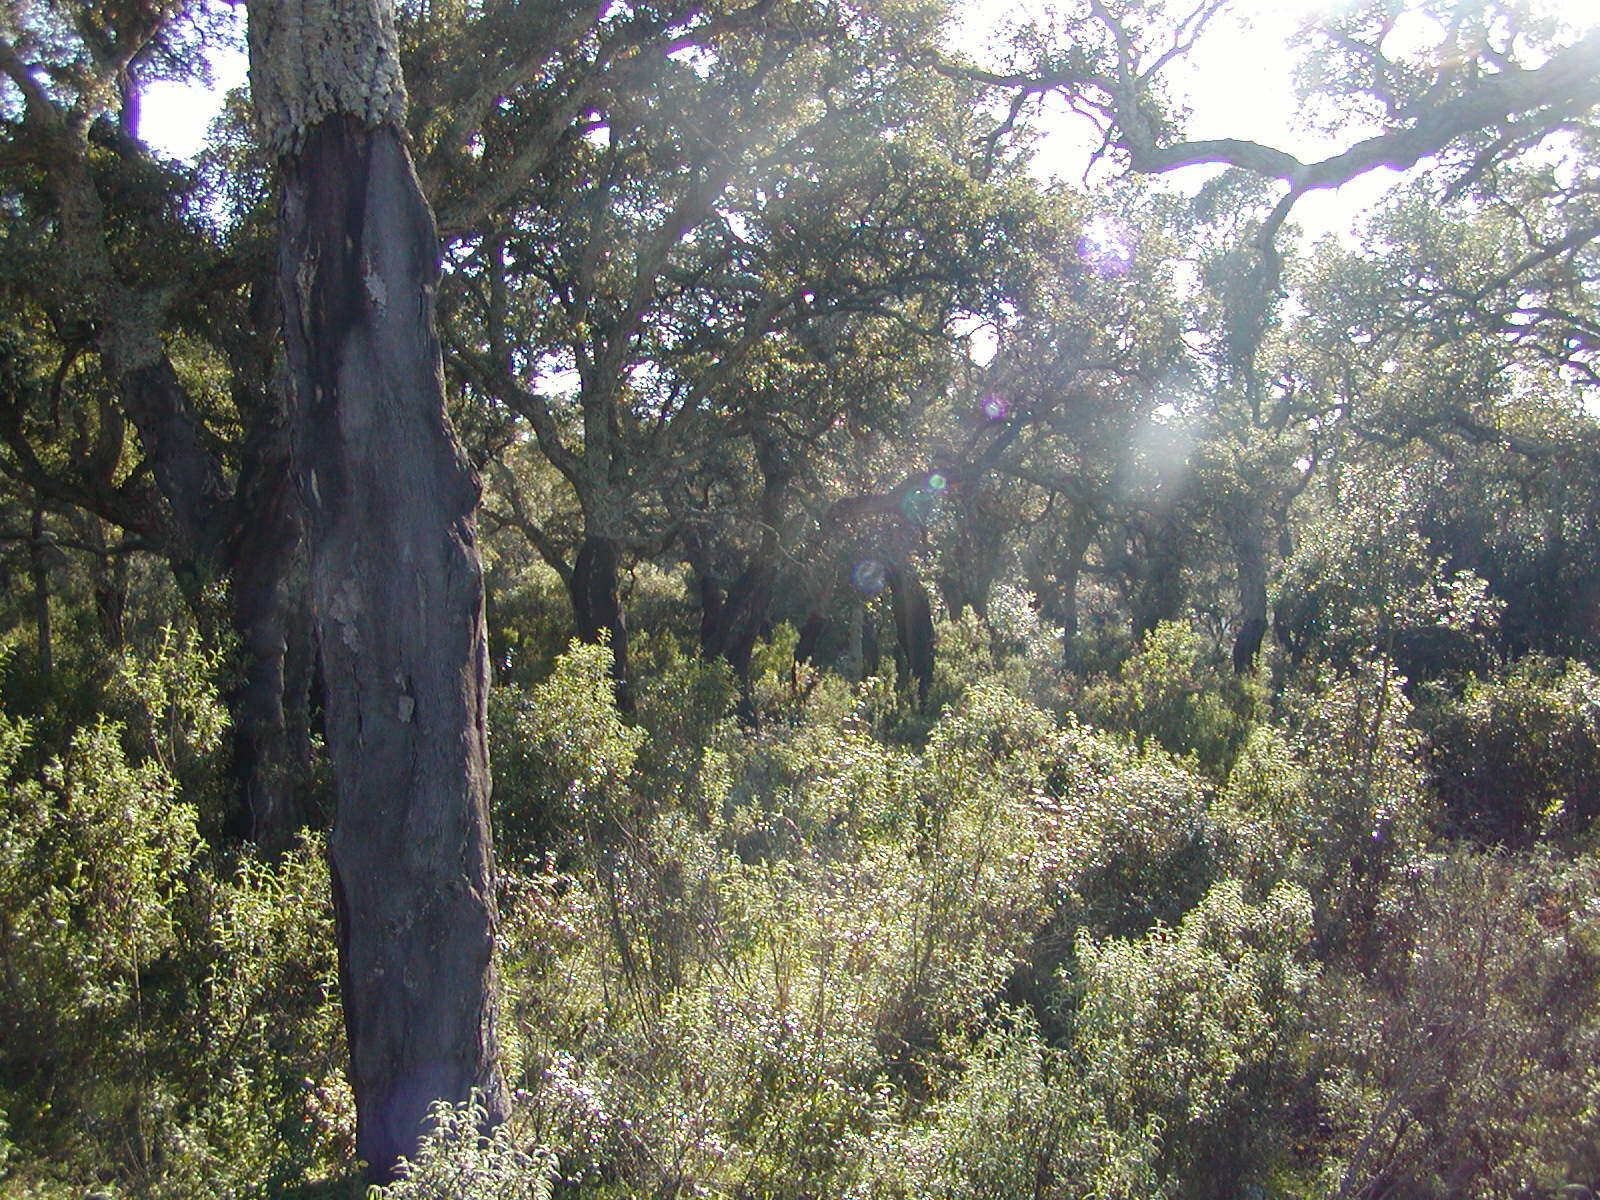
x=1156 y=931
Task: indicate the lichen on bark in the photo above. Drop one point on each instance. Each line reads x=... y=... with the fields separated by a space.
x=315 y=59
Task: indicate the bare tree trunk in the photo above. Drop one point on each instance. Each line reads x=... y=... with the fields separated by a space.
x=742 y=614
x=913 y=626
x=38 y=568
x=1250 y=554
x=396 y=580
x=1068 y=572
x=596 y=592
x=109 y=582
x=1158 y=593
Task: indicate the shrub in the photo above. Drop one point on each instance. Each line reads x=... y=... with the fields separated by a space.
x=458 y=1161
x=1174 y=691
x=172 y=1027
x=1130 y=831
x=94 y=857
x=1517 y=756
x=1170 y=1083
x=1190 y=1030
x=1358 y=809
x=562 y=754
x=1461 y=1063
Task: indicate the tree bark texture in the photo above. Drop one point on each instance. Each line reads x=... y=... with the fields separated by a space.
x=249 y=532
x=397 y=595
x=270 y=755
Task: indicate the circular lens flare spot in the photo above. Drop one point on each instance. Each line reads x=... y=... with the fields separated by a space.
x=994 y=407
x=1106 y=247
x=868 y=577
x=938 y=482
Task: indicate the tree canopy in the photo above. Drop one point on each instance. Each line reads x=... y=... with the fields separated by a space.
x=995 y=683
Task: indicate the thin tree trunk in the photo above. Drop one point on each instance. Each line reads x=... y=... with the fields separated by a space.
x=710 y=611
x=1070 y=570
x=1250 y=552
x=913 y=626
x=396 y=579
x=110 y=586
x=596 y=592
x=864 y=649
x=38 y=568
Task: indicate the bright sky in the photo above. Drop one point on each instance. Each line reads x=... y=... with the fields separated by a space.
x=175 y=117
x=1238 y=83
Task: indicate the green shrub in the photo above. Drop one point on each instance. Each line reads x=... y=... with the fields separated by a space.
x=95 y=856
x=1016 y=1123
x=1462 y=1061
x=562 y=754
x=1171 y=1083
x=1174 y=690
x=172 y=1022
x=1130 y=831
x=1191 y=1029
x=1517 y=756
x=458 y=1161
x=1360 y=809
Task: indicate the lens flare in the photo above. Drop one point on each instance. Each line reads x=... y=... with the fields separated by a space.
x=868 y=577
x=994 y=407
x=1106 y=247
x=938 y=482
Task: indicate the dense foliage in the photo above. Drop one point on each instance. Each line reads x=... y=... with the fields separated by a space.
x=1003 y=687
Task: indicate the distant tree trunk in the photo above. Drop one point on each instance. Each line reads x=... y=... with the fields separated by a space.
x=913 y=625
x=742 y=614
x=745 y=614
x=809 y=646
x=1068 y=573
x=596 y=592
x=976 y=556
x=396 y=580
x=1159 y=592
x=710 y=611
x=1250 y=554
x=38 y=569
x=109 y=582
x=864 y=650
x=249 y=533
